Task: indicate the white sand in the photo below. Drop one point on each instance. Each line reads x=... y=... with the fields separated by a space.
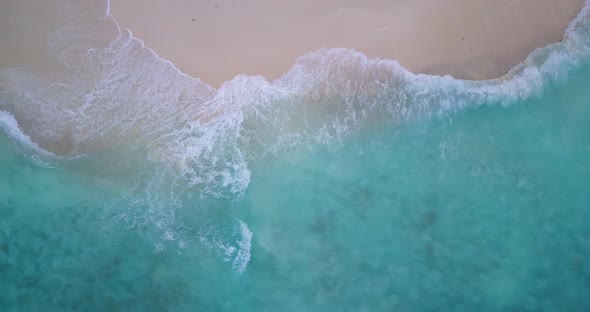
x=471 y=39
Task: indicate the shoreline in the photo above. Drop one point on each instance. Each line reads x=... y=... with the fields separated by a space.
x=462 y=38
x=65 y=132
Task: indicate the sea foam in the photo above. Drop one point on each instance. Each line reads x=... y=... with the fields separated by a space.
x=117 y=91
x=112 y=90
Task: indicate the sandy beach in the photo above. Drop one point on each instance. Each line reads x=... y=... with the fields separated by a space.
x=217 y=40
x=59 y=44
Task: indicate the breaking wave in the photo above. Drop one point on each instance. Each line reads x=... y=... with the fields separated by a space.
x=109 y=90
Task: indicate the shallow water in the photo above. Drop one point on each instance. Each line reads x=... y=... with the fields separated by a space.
x=347 y=185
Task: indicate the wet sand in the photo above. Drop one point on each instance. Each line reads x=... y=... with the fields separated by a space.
x=215 y=40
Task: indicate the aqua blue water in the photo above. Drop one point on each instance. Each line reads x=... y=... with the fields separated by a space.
x=347 y=185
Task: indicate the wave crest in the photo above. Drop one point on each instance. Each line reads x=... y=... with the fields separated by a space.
x=112 y=91
x=115 y=91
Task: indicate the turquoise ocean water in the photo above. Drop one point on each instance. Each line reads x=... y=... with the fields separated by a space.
x=348 y=184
